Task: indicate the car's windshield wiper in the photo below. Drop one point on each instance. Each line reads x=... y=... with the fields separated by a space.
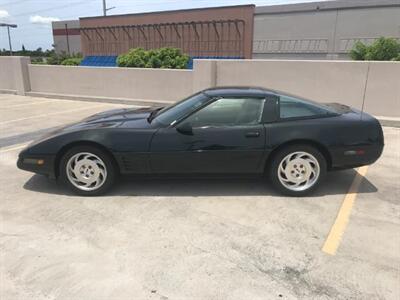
x=153 y=114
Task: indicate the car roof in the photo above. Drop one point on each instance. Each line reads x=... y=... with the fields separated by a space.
x=238 y=91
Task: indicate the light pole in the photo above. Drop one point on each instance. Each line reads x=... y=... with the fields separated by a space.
x=105 y=9
x=8 y=31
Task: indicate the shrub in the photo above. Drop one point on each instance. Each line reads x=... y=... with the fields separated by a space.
x=74 y=61
x=167 y=58
x=381 y=49
x=37 y=61
x=58 y=59
x=397 y=58
x=358 y=52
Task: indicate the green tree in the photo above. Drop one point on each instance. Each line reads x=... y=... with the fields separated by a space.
x=23 y=51
x=382 y=49
x=168 y=58
x=72 y=61
x=397 y=58
x=358 y=52
x=58 y=59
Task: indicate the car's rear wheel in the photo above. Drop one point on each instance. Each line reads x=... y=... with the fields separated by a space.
x=87 y=170
x=297 y=170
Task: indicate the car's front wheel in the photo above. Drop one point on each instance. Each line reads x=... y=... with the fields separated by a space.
x=297 y=170
x=87 y=170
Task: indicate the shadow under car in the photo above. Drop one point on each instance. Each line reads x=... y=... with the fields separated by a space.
x=335 y=183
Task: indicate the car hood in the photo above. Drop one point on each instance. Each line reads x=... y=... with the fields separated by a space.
x=125 y=117
x=116 y=118
x=121 y=115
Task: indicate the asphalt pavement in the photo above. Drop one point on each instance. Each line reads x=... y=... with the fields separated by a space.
x=192 y=239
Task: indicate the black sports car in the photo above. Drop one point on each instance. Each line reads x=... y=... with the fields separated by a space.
x=219 y=131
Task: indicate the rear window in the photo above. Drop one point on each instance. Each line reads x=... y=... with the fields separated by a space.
x=291 y=107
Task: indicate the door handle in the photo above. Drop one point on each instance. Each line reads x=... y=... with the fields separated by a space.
x=252 y=134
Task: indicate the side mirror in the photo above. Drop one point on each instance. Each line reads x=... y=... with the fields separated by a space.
x=185 y=128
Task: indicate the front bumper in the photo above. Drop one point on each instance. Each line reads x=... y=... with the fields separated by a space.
x=40 y=164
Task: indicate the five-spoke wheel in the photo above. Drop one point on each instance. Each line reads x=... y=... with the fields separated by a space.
x=297 y=170
x=87 y=170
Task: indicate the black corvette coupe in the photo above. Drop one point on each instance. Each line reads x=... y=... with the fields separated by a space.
x=219 y=131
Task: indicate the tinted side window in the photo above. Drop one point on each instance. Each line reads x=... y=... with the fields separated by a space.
x=296 y=108
x=229 y=112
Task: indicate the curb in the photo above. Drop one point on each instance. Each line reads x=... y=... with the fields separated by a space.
x=127 y=101
x=388 y=122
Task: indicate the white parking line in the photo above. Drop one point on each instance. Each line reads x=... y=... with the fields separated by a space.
x=26 y=104
x=50 y=114
x=9 y=149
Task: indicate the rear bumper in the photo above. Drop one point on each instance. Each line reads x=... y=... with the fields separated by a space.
x=39 y=164
x=355 y=156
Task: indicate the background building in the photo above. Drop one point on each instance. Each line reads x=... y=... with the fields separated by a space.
x=318 y=30
x=206 y=32
x=322 y=30
x=67 y=37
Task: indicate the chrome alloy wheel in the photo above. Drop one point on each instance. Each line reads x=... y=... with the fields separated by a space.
x=86 y=171
x=298 y=171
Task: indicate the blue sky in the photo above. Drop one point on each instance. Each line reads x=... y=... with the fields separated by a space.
x=34 y=17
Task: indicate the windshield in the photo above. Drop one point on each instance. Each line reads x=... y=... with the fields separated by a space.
x=176 y=111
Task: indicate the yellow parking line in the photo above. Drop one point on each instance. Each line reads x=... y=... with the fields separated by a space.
x=335 y=235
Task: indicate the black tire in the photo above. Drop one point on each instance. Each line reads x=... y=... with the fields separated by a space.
x=108 y=164
x=282 y=154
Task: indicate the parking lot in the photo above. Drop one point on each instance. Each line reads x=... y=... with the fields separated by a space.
x=191 y=239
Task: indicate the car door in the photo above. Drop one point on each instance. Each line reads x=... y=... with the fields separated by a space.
x=226 y=136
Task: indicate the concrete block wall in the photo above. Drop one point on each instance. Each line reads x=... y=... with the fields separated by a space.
x=14 y=77
x=325 y=81
x=383 y=89
x=125 y=83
